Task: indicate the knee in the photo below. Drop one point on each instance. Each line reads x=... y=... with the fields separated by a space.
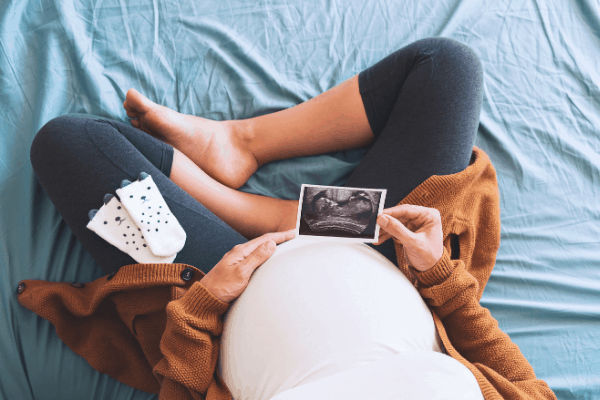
x=53 y=139
x=457 y=57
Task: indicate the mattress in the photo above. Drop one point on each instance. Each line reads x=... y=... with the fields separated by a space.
x=540 y=125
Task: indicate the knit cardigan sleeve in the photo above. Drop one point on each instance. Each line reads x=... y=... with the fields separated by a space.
x=190 y=346
x=451 y=291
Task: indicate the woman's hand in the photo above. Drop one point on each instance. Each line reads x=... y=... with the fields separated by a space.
x=419 y=229
x=228 y=279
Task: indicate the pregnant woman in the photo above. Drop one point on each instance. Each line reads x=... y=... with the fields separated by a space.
x=317 y=320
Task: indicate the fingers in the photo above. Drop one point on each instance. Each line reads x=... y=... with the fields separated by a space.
x=277 y=237
x=414 y=217
x=396 y=229
x=287 y=235
x=406 y=212
x=261 y=254
x=383 y=236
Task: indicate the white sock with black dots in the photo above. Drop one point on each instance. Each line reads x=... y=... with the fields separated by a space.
x=145 y=204
x=113 y=223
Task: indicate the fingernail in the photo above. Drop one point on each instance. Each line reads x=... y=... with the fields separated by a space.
x=124 y=183
x=383 y=220
x=107 y=198
x=92 y=214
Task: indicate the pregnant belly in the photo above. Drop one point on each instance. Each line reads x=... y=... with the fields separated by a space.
x=315 y=309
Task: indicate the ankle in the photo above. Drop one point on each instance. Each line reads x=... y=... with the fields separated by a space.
x=241 y=129
x=244 y=132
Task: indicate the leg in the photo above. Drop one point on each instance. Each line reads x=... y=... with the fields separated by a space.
x=423 y=103
x=249 y=214
x=332 y=121
x=78 y=161
x=231 y=151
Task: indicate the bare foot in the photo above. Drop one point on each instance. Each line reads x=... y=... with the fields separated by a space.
x=217 y=148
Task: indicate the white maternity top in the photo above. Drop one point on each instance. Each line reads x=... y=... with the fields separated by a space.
x=319 y=317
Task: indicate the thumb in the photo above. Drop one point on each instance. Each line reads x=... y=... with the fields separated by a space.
x=396 y=229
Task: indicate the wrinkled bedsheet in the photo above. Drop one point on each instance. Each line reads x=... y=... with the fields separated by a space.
x=540 y=124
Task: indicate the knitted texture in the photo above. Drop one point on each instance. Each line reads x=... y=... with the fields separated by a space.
x=496 y=362
x=152 y=329
x=469 y=204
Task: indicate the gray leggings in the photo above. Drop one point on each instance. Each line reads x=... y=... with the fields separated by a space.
x=423 y=103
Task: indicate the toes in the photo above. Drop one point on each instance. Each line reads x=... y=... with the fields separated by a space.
x=132 y=114
x=137 y=101
x=131 y=101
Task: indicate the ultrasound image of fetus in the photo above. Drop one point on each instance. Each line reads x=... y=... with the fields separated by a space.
x=339 y=211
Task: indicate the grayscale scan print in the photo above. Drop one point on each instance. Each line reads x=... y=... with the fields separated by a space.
x=340 y=213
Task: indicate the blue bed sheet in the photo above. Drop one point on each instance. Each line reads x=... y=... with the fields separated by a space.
x=540 y=124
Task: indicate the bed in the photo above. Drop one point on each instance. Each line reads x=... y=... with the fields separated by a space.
x=540 y=125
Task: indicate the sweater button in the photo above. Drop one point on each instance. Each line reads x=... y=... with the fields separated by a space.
x=77 y=284
x=187 y=274
x=21 y=287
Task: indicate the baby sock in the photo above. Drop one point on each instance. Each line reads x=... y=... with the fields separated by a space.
x=146 y=206
x=113 y=223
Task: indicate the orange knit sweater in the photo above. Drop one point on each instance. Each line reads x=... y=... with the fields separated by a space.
x=156 y=328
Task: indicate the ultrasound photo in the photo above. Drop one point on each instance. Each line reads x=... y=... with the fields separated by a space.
x=349 y=214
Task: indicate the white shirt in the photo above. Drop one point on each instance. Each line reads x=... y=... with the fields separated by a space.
x=318 y=308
